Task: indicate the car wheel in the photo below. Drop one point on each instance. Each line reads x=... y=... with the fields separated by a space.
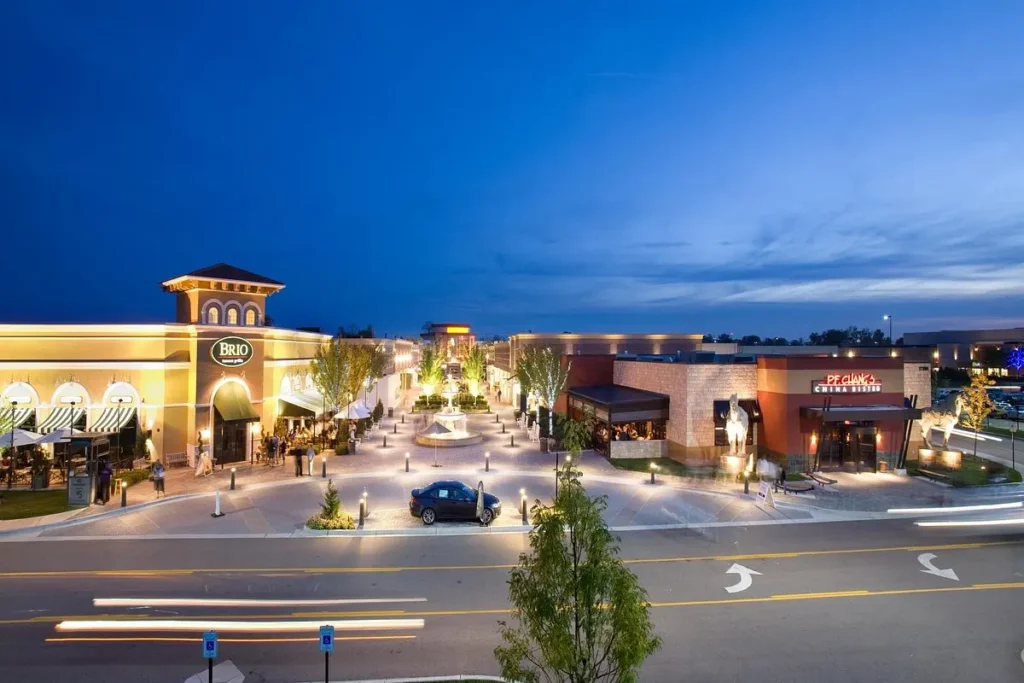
x=487 y=517
x=428 y=516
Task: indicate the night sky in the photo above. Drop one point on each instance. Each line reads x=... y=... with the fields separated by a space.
x=751 y=167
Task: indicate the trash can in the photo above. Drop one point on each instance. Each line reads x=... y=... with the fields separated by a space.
x=351 y=446
x=391 y=412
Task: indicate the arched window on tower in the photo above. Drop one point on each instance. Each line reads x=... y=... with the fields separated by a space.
x=250 y=317
x=213 y=316
x=232 y=316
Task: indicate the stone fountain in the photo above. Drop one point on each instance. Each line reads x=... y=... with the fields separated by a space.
x=452 y=419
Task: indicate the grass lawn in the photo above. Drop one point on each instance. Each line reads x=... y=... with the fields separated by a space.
x=794 y=476
x=973 y=471
x=21 y=504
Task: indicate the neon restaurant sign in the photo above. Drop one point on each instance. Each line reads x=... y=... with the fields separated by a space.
x=847 y=383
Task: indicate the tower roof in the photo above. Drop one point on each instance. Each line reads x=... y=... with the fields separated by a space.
x=223 y=276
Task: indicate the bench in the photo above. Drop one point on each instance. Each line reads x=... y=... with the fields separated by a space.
x=821 y=479
x=176 y=459
x=932 y=474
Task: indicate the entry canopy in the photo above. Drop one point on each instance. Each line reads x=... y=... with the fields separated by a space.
x=233 y=404
x=307 y=400
x=862 y=413
x=112 y=419
x=619 y=404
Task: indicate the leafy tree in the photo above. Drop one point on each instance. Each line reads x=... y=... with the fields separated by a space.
x=708 y=338
x=724 y=338
x=581 y=615
x=360 y=365
x=430 y=371
x=978 y=404
x=547 y=377
x=1015 y=359
x=473 y=369
x=332 y=503
x=750 y=340
x=524 y=373
x=329 y=369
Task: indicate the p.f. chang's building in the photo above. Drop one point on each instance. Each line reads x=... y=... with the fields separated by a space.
x=217 y=373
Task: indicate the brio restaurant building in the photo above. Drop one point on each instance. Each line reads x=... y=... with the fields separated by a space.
x=804 y=411
x=217 y=375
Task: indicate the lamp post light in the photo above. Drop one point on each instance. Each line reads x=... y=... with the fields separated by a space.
x=407 y=461
x=119 y=400
x=654 y=468
x=15 y=402
x=487 y=461
x=889 y=318
x=522 y=503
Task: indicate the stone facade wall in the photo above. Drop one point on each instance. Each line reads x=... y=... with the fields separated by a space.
x=707 y=383
x=638 y=449
x=661 y=378
x=917 y=379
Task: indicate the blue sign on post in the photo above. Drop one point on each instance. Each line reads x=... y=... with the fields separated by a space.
x=327 y=638
x=210 y=645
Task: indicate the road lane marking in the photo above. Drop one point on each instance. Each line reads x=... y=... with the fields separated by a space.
x=926 y=561
x=129 y=620
x=955 y=509
x=169 y=639
x=232 y=625
x=255 y=602
x=145 y=573
x=746 y=578
x=980 y=522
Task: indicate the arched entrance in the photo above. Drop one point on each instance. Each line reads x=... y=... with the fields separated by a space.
x=231 y=414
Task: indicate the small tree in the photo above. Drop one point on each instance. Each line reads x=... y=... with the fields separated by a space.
x=378 y=411
x=977 y=404
x=548 y=378
x=430 y=371
x=473 y=369
x=582 y=616
x=329 y=369
x=332 y=503
x=1015 y=359
x=332 y=515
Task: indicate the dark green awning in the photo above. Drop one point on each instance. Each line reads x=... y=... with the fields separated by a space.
x=232 y=404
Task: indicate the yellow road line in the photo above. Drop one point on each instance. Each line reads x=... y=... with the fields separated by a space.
x=168 y=639
x=785 y=597
x=143 y=573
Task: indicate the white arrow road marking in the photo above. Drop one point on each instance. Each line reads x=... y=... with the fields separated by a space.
x=746 y=578
x=926 y=560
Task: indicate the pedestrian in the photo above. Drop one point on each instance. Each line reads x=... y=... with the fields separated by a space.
x=499 y=394
x=158 y=478
x=275 y=444
x=105 y=474
x=309 y=456
x=297 y=452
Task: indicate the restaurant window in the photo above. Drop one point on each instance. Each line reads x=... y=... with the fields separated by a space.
x=232 y=316
x=213 y=315
x=250 y=317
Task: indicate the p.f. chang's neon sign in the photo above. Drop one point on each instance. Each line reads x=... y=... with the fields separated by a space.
x=847 y=383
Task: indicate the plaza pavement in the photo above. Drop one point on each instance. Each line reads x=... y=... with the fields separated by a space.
x=272 y=500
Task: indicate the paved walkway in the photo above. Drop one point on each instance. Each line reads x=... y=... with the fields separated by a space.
x=274 y=500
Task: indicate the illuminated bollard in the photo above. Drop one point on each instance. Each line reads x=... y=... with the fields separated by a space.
x=502 y=427
x=323 y=462
x=396 y=428
x=512 y=441
x=366 y=502
x=232 y=478
x=124 y=494
x=522 y=504
x=406 y=462
x=385 y=441
x=654 y=468
x=487 y=462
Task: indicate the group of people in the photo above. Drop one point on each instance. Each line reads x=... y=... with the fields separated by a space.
x=105 y=477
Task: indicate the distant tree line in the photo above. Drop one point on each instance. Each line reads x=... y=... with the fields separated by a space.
x=851 y=336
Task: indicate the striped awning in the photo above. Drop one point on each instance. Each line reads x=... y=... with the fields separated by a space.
x=19 y=415
x=60 y=418
x=308 y=399
x=112 y=419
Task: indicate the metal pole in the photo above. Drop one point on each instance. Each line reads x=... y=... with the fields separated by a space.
x=327 y=667
x=10 y=473
x=209 y=678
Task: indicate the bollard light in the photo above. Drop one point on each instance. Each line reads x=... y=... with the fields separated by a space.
x=654 y=468
x=522 y=503
x=232 y=478
x=385 y=441
x=487 y=461
x=512 y=441
x=502 y=427
x=396 y=428
x=323 y=462
x=568 y=458
x=407 y=461
x=746 y=481
x=124 y=494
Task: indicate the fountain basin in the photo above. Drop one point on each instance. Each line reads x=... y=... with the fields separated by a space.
x=452 y=439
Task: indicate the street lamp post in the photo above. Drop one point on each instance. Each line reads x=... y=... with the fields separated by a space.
x=10 y=475
x=119 y=400
x=889 y=318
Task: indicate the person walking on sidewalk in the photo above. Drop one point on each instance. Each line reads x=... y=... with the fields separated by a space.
x=309 y=456
x=297 y=452
x=105 y=474
x=158 y=478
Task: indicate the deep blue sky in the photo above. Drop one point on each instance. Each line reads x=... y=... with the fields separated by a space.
x=755 y=167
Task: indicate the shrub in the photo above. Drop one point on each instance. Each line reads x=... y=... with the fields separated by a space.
x=378 y=411
x=332 y=516
x=133 y=477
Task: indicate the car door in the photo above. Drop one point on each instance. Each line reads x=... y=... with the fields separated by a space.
x=463 y=506
x=446 y=506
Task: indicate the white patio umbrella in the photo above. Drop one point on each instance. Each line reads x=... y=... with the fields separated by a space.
x=355 y=411
x=434 y=429
x=19 y=438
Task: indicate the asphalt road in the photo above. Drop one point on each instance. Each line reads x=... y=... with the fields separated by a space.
x=839 y=602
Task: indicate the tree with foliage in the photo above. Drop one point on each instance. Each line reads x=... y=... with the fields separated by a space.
x=546 y=376
x=724 y=338
x=431 y=373
x=978 y=404
x=473 y=369
x=750 y=340
x=524 y=370
x=329 y=369
x=581 y=615
x=360 y=365
x=332 y=515
x=1015 y=359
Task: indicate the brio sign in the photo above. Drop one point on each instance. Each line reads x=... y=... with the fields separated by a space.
x=231 y=352
x=847 y=383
